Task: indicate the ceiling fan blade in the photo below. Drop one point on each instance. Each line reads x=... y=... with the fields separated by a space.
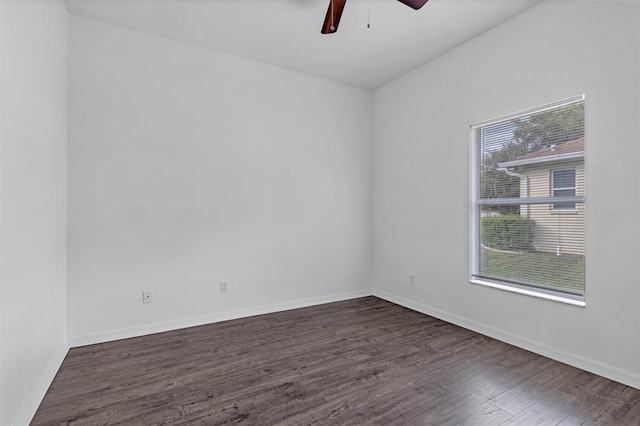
x=334 y=13
x=414 y=4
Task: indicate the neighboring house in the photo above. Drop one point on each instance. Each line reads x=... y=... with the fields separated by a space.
x=553 y=172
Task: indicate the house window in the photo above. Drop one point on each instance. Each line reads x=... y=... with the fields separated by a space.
x=563 y=184
x=525 y=169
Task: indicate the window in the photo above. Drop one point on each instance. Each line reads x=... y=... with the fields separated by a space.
x=563 y=184
x=526 y=170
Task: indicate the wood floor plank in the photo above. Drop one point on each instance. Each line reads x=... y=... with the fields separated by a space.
x=361 y=361
x=575 y=421
x=486 y=414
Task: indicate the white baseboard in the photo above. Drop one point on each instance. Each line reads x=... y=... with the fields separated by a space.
x=610 y=372
x=32 y=403
x=142 y=330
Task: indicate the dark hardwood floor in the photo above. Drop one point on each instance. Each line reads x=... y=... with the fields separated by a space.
x=362 y=361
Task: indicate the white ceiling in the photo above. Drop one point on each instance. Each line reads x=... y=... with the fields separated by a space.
x=286 y=33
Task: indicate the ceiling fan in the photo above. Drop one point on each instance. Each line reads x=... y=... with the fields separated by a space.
x=336 y=7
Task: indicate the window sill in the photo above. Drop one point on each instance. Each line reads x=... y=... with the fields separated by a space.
x=530 y=293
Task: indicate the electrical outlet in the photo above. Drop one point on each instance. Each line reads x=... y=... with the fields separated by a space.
x=146 y=297
x=223 y=286
x=412 y=279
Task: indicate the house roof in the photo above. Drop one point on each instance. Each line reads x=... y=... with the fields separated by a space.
x=569 y=150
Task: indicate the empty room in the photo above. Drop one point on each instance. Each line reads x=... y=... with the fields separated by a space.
x=297 y=212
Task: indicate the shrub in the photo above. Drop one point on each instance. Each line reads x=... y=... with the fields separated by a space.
x=509 y=232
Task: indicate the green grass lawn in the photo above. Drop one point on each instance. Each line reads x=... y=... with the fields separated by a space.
x=564 y=273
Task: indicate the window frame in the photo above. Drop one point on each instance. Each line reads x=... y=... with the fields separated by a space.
x=553 y=189
x=476 y=204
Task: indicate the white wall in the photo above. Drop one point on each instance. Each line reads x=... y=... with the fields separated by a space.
x=33 y=134
x=421 y=197
x=188 y=167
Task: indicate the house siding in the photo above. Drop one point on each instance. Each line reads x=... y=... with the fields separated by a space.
x=556 y=231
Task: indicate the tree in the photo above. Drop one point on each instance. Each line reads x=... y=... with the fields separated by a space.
x=558 y=125
x=496 y=183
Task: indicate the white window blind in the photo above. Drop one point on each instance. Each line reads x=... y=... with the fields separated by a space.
x=527 y=200
x=563 y=184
